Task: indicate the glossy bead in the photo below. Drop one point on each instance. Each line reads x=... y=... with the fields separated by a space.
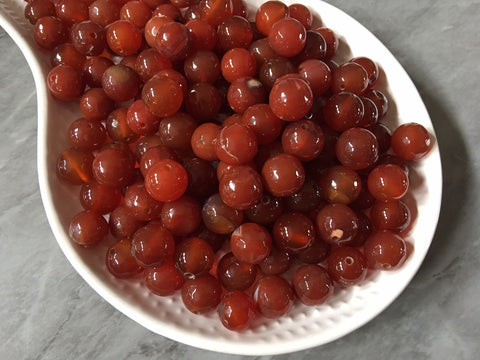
x=104 y=12
x=346 y=265
x=202 y=294
x=293 y=232
x=122 y=224
x=287 y=37
x=357 y=148
x=268 y=14
x=245 y=92
x=234 y=32
x=234 y=274
x=411 y=141
x=88 y=37
x=290 y=98
x=340 y=184
x=123 y=38
x=36 y=9
x=385 y=250
x=193 y=257
x=251 y=243
x=99 y=198
x=88 y=228
x=86 y=134
x=121 y=83
x=173 y=41
x=182 y=216
x=163 y=280
x=273 y=296
x=152 y=245
x=387 y=182
x=140 y=204
x=241 y=187
x=65 y=83
x=120 y=262
x=236 y=144
x=337 y=224
x=303 y=139
x=343 y=111
x=237 y=310
x=264 y=123
x=49 y=31
x=95 y=104
x=162 y=96
x=283 y=174
x=166 y=180
x=203 y=141
x=75 y=166
x=237 y=63
x=114 y=167
x=312 y=284
x=220 y=218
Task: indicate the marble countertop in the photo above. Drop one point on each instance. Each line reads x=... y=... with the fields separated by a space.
x=48 y=312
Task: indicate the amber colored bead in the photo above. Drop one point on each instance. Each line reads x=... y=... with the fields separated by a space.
x=88 y=228
x=215 y=11
x=66 y=54
x=95 y=104
x=293 y=232
x=104 y=12
x=274 y=296
x=203 y=141
x=93 y=69
x=114 y=167
x=193 y=257
x=202 y=294
x=86 y=134
x=162 y=96
x=151 y=28
x=49 y=31
x=136 y=12
x=236 y=144
x=120 y=262
x=283 y=174
x=140 y=204
x=182 y=216
x=152 y=245
x=149 y=62
x=123 y=38
x=163 y=280
x=176 y=130
x=219 y=217
x=122 y=224
x=88 y=37
x=241 y=187
x=75 y=166
x=65 y=83
x=121 y=83
x=36 y=9
x=99 y=198
x=234 y=274
x=251 y=243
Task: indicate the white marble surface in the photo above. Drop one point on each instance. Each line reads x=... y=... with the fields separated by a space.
x=48 y=312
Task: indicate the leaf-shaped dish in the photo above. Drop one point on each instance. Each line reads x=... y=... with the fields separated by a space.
x=304 y=327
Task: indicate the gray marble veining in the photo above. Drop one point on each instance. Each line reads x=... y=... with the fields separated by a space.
x=48 y=312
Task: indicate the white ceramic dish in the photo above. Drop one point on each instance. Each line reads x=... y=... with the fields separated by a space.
x=304 y=327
